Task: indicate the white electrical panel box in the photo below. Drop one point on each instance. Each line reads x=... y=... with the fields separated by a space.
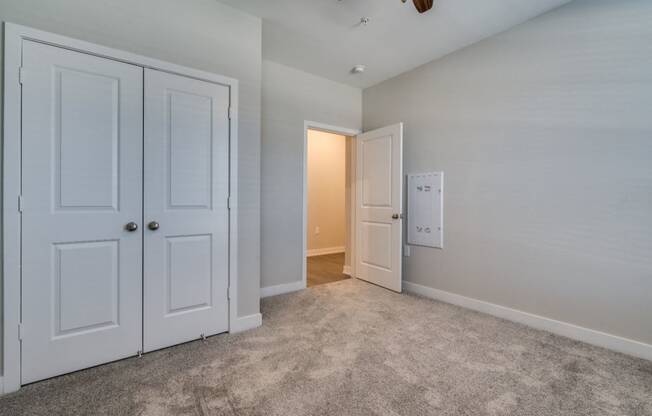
x=425 y=219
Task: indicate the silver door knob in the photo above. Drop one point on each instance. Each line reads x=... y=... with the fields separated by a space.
x=131 y=227
x=395 y=216
x=153 y=225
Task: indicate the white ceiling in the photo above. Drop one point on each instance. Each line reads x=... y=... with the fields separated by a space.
x=324 y=37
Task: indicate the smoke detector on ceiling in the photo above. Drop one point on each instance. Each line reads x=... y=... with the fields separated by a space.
x=358 y=69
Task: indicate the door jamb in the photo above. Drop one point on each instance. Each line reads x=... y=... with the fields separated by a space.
x=344 y=131
x=11 y=182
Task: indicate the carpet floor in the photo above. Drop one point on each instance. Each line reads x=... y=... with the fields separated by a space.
x=350 y=348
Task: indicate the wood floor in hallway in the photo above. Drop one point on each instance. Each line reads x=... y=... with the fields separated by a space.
x=325 y=269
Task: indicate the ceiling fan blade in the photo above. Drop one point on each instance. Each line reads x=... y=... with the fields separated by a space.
x=423 y=5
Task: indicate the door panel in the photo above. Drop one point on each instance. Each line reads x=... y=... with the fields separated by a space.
x=82 y=181
x=90 y=268
x=186 y=191
x=379 y=199
x=190 y=143
x=87 y=122
x=377 y=250
x=190 y=273
x=377 y=172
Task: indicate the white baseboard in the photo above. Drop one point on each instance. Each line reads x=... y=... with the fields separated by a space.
x=266 y=292
x=590 y=336
x=324 y=251
x=346 y=270
x=246 y=323
x=2 y=386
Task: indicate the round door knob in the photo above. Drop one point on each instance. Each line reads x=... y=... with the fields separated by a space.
x=395 y=216
x=153 y=225
x=131 y=227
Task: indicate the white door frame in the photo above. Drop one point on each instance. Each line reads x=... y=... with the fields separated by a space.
x=344 y=131
x=11 y=168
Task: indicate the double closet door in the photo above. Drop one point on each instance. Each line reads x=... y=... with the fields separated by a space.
x=125 y=183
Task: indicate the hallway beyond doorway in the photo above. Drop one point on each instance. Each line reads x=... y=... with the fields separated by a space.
x=325 y=269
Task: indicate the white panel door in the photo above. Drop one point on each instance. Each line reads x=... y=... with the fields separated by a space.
x=82 y=183
x=379 y=199
x=186 y=214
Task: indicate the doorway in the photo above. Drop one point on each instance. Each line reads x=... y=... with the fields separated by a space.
x=327 y=235
x=328 y=199
x=373 y=205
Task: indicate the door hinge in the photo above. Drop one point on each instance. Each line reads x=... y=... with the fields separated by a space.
x=228 y=293
x=21 y=331
x=228 y=202
x=20 y=203
x=230 y=113
x=21 y=75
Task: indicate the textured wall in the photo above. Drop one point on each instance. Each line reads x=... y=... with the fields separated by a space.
x=202 y=34
x=289 y=98
x=545 y=135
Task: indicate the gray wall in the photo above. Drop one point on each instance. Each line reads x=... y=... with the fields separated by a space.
x=202 y=34
x=545 y=135
x=290 y=97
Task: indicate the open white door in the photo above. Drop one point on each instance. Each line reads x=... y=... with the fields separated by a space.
x=379 y=199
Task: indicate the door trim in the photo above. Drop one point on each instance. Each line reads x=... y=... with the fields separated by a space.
x=344 y=131
x=11 y=168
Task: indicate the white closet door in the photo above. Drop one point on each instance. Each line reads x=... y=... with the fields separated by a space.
x=379 y=199
x=82 y=183
x=186 y=215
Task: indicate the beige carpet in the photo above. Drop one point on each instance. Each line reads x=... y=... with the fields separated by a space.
x=350 y=348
